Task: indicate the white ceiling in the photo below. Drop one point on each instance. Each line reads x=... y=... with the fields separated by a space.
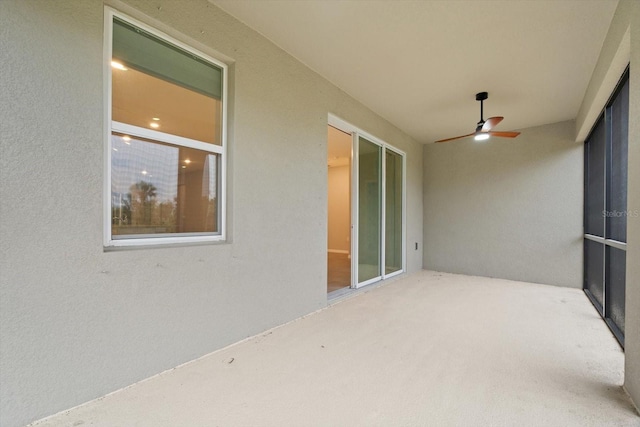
x=419 y=64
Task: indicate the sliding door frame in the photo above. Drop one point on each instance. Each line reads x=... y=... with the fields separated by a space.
x=403 y=155
x=355 y=209
x=356 y=134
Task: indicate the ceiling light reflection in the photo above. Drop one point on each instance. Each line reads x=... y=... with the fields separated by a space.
x=118 y=66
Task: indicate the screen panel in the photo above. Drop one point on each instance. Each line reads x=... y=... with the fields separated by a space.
x=594 y=270
x=594 y=191
x=615 y=286
x=617 y=189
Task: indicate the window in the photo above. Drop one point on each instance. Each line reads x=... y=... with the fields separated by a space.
x=166 y=139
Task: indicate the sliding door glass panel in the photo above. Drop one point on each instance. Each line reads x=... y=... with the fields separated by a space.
x=369 y=210
x=393 y=212
x=615 y=286
x=594 y=191
x=617 y=189
x=594 y=270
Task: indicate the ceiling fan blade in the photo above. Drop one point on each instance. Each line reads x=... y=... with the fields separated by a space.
x=491 y=122
x=504 y=134
x=454 y=138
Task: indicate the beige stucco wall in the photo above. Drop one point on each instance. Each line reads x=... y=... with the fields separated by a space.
x=77 y=322
x=506 y=208
x=339 y=223
x=632 y=315
x=621 y=46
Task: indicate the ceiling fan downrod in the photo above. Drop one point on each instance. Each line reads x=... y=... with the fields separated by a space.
x=481 y=96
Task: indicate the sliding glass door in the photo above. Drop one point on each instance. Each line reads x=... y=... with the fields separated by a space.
x=369 y=210
x=379 y=214
x=393 y=242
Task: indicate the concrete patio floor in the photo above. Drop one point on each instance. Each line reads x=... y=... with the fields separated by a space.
x=430 y=349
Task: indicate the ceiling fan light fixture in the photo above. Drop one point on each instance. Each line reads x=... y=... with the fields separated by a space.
x=484 y=127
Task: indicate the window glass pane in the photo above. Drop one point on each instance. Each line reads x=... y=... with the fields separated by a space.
x=594 y=269
x=617 y=190
x=615 y=286
x=136 y=48
x=393 y=212
x=594 y=191
x=369 y=210
x=158 y=86
x=159 y=188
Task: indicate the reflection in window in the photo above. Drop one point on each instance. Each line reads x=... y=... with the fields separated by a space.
x=159 y=188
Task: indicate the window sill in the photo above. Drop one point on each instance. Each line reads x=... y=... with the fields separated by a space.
x=163 y=242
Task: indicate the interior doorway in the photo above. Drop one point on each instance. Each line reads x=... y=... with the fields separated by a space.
x=339 y=209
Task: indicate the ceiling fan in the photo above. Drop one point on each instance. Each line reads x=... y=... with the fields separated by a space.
x=483 y=128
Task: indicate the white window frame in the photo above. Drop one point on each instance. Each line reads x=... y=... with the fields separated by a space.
x=136 y=131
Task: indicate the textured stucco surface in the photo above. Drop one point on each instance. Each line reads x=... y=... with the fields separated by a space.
x=339 y=195
x=77 y=322
x=632 y=314
x=626 y=23
x=612 y=61
x=506 y=208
